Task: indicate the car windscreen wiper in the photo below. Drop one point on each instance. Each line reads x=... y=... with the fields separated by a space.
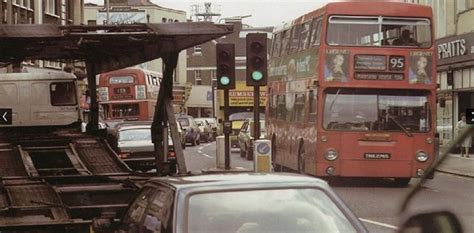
x=431 y=170
x=408 y=133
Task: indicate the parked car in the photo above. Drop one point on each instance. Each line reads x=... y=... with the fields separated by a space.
x=246 y=138
x=132 y=143
x=215 y=126
x=192 y=130
x=224 y=203
x=207 y=134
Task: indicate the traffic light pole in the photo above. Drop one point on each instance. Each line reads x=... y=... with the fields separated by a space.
x=226 y=132
x=256 y=113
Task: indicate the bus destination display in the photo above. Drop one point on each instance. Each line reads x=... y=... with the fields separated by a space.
x=370 y=62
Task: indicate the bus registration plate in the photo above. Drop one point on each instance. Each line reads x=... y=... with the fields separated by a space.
x=377 y=156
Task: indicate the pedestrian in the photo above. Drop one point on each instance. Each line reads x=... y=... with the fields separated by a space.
x=466 y=144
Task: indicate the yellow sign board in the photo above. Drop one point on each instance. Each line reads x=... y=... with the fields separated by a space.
x=242 y=96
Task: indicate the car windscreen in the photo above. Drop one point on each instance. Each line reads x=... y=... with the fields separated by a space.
x=282 y=210
x=135 y=135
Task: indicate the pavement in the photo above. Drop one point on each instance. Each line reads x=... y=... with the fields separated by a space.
x=457 y=165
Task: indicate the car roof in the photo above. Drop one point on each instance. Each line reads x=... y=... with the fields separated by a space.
x=264 y=180
x=129 y=127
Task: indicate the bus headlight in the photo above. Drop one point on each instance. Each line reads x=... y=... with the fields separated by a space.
x=331 y=154
x=421 y=156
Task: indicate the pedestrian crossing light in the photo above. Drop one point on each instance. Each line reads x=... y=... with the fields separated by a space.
x=225 y=62
x=256 y=59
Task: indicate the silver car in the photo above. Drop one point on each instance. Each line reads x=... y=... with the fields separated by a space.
x=133 y=145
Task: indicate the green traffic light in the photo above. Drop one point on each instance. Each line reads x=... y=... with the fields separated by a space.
x=224 y=80
x=257 y=75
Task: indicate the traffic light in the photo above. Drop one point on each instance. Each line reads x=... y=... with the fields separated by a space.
x=225 y=62
x=256 y=59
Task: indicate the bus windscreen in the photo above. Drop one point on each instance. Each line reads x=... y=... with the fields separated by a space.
x=376 y=110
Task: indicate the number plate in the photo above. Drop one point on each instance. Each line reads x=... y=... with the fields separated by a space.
x=377 y=156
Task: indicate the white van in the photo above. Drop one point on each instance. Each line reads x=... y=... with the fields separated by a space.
x=40 y=99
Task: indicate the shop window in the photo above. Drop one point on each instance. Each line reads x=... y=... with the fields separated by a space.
x=457 y=74
x=466 y=78
x=472 y=77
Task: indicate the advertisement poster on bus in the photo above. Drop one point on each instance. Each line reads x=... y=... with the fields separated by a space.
x=337 y=65
x=302 y=65
x=420 y=67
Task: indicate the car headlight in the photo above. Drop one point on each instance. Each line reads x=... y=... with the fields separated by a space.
x=421 y=156
x=331 y=154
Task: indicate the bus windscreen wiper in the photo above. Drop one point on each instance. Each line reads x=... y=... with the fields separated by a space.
x=334 y=100
x=401 y=126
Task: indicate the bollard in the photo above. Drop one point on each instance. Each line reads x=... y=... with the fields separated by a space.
x=262 y=156
x=220 y=152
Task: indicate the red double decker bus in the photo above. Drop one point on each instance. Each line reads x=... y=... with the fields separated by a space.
x=352 y=91
x=129 y=94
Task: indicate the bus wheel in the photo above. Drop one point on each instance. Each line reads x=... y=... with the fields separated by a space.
x=301 y=161
x=401 y=182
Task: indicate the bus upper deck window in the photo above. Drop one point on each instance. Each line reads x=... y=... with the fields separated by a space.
x=63 y=93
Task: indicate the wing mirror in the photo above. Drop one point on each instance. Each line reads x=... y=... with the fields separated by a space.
x=434 y=222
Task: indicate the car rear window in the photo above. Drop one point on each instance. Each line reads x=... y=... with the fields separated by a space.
x=184 y=122
x=282 y=210
x=135 y=135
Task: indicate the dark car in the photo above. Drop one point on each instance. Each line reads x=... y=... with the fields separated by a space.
x=132 y=143
x=192 y=130
x=241 y=203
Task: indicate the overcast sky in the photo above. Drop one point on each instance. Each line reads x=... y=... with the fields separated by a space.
x=264 y=12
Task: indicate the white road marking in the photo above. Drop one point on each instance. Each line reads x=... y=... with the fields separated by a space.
x=378 y=223
x=208 y=156
x=239 y=167
x=5 y=116
x=200 y=148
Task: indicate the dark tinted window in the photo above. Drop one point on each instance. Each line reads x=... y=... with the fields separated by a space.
x=63 y=94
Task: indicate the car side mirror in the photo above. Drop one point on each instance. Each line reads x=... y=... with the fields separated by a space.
x=434 y=222
x=102 y=224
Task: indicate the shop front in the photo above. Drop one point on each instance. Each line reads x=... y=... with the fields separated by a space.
x=455 y=78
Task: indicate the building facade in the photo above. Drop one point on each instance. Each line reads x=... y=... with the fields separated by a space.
x=454 y=32
x=201 y=72
x=139 y=11
x=61 y=12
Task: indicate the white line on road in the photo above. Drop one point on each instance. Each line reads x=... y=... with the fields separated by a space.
x=378 y=223
x=208 y=156
x=200 y=148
